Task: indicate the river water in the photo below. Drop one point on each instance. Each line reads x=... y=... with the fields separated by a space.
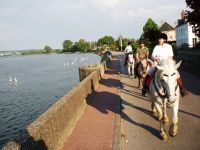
x=40 y=81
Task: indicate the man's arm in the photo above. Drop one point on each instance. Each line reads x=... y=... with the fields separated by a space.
x=147 y=53
x=137 y=54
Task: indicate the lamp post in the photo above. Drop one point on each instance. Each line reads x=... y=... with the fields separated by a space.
x=120 y=41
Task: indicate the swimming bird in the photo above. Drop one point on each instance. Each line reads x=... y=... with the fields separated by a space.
x=15 y=80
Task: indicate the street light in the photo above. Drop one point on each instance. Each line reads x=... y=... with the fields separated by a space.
x=120 y=41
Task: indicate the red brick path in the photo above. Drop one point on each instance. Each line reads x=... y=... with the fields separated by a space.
x=95 y=129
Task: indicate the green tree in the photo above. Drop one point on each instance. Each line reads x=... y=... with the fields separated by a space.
x=48 y=49
x=106 y=40
x=81 y=45
x=150 y=25
x=67 y=45
x=150 y=33
x=194 y=15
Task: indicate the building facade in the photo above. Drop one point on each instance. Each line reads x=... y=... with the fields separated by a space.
x=184 y=33
x=169 y=30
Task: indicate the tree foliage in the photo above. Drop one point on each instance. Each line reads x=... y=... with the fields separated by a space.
x=67 y=45
x=150 y=33
x=48 y=49
x=81 y=45
x=106 y=40
x=194 y=15
x=150 y=25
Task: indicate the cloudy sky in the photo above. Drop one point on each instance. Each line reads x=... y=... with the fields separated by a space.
x=32 y=24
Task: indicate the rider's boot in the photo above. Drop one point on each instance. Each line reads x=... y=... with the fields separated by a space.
x=183 y=91
x=145 y=86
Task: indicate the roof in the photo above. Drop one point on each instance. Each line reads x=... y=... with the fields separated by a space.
x=166 y=27
x=181 y=22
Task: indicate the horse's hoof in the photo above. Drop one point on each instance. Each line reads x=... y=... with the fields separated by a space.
x=173 y=130
x=163 y=136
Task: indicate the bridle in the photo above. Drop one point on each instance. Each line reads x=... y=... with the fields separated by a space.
x=163 y=93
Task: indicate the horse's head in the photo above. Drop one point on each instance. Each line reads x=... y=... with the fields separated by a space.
x=145 y=65
x=168 y=78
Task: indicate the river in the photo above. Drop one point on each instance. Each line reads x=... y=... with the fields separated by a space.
x=29 y=85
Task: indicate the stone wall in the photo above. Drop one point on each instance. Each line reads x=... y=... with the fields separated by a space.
x=50 y=130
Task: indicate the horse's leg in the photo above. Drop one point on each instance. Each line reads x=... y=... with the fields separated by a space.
x=132 y=71
x=138 y=82
x=153 y=108
x=129 y=71
x=165 y=118
x=159 y=111
x=174 y=127
x=163 y=133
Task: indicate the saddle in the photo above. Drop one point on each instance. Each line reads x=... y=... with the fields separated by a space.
x=150 y=78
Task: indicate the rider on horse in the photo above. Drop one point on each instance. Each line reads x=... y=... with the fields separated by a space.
x=161 y=51
x=127 y=50
x=141 y=53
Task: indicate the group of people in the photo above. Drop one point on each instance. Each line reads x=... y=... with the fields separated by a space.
x=161 y=51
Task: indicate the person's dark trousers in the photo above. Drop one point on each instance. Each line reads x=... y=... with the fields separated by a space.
x=183 y=91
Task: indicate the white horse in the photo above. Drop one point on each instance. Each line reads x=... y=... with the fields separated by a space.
x=164 y=91
x=131 y=64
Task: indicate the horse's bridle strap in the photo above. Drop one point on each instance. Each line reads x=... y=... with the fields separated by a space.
x=156 y=88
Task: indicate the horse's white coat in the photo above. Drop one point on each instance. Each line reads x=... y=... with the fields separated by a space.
x=166 y=78
x=131 y=64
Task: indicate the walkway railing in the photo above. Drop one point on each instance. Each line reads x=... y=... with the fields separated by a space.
x=190 y=61
x=189 y=58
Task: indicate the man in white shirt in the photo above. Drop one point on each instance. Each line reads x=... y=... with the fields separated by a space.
x=161 y=51
x=128 y=50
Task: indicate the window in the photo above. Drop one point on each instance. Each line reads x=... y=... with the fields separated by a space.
x=194 y=41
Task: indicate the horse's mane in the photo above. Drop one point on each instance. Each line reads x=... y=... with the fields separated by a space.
x=168 y=63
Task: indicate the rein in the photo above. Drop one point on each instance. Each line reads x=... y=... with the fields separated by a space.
x=157 y=90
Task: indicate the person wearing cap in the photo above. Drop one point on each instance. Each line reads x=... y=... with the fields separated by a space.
x=142 y=52
x=160 y=52
x=128 y=50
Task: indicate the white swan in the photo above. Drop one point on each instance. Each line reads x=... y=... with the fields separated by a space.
x=15 y=80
